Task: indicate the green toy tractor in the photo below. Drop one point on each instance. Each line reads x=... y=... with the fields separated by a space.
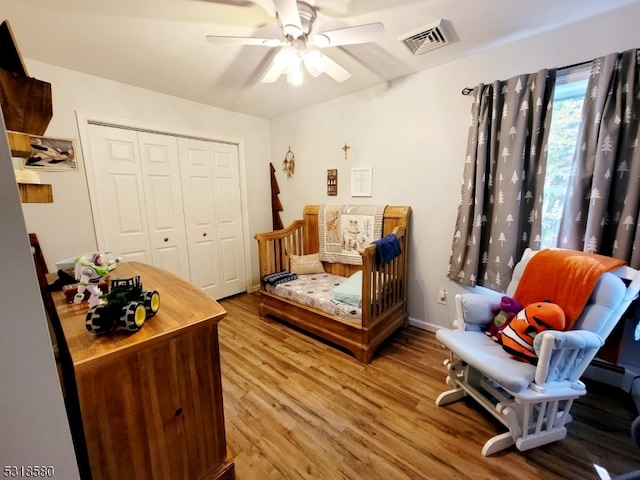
x=127 y=305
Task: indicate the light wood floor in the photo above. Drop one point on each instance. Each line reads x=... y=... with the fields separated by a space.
x=297 y=408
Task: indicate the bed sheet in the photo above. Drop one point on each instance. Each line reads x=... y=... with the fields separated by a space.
x=314 y=290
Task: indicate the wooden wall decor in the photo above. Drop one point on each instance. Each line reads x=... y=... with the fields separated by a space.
x=276 y=206
x=346 y=150
x=27 y=104
x=332 y=182
x=289 y=163
x=27 y=108
x=10 y=58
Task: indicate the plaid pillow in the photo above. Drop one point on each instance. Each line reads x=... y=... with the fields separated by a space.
x=280 y=277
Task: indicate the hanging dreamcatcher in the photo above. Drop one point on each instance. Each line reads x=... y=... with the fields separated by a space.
x=289 y=163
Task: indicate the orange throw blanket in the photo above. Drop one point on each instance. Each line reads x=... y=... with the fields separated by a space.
x=564 y=277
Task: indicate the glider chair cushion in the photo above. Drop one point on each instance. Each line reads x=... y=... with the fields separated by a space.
x=532 y=401
x=484 y=354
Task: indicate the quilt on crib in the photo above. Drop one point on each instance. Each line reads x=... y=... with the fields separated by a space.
x=314 y=290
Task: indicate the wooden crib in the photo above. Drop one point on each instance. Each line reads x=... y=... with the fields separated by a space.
x=384 y=289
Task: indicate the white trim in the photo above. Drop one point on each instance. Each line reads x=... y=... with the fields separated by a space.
x=244 y=206
x=84 y=119
x=424 y=325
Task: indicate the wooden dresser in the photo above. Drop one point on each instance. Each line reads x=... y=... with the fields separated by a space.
x=147 y=405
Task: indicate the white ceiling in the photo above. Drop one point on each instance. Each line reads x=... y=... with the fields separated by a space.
x=160 y=44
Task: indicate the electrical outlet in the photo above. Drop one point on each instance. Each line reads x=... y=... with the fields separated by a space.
x=442 y=297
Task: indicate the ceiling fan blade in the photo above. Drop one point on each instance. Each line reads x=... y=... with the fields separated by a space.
x=370 y=32
x=334 y=70
x=222 y=40
x=289 y=17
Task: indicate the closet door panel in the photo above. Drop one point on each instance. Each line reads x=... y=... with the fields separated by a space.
x=229 y=218
x=205 y=264
x=118 y=201
x=199 y=210
x=226 y=225
x=163 y=193
x=203 y=249
x=230 y=266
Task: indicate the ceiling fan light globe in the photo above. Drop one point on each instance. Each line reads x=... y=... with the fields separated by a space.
x=314 y=62
x=295 y=75
x=284 y=59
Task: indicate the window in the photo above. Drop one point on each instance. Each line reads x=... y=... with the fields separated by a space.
x=570 y=90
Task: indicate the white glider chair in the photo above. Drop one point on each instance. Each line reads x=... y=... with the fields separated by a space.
x=533 y=402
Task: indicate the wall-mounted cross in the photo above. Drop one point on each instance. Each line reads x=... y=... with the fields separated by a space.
x=345 y=148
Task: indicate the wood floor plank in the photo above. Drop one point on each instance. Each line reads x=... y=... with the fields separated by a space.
x=299 y=408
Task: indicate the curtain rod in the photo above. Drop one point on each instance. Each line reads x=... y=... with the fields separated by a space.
x=468 y=90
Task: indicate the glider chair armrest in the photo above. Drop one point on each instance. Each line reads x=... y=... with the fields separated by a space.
x=563 y=357
x=473 y=310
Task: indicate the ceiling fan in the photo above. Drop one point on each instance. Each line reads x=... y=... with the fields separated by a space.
x=296 y=20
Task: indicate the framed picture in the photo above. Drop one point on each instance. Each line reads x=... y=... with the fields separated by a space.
x=52 y=154
x=361 y=179
x=332 y=182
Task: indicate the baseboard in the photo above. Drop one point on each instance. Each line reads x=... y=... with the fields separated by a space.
x=414 y=322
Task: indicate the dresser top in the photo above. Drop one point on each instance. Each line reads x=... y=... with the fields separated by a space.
x=183 y=306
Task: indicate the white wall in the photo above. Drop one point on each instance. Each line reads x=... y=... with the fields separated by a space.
x=33 y=422
x=413 y=132
x=65 y=227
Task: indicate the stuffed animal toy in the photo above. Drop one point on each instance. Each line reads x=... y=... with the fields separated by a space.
x=517 y=337
x=503 y=314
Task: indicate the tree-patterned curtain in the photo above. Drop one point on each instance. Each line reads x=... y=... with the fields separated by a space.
x=501 y=196
x=603 y=200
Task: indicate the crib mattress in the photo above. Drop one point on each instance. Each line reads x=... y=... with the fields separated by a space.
x=314 y=290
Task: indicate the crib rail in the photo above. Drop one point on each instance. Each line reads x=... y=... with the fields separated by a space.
x=383 y=287
x=275 y=247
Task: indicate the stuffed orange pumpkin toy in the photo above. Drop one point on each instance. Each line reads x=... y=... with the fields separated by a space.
x=517 y=337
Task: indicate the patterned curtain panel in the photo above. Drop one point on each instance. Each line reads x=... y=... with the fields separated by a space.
x=601 y=211
x=501 y=197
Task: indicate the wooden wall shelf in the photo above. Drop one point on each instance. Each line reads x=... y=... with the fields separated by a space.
x=35 y=193
x=19 y=144
x=27 y=108
x=27 y=104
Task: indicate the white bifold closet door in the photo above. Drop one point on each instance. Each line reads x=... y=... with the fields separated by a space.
x=213 y=215
x=172 y=202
